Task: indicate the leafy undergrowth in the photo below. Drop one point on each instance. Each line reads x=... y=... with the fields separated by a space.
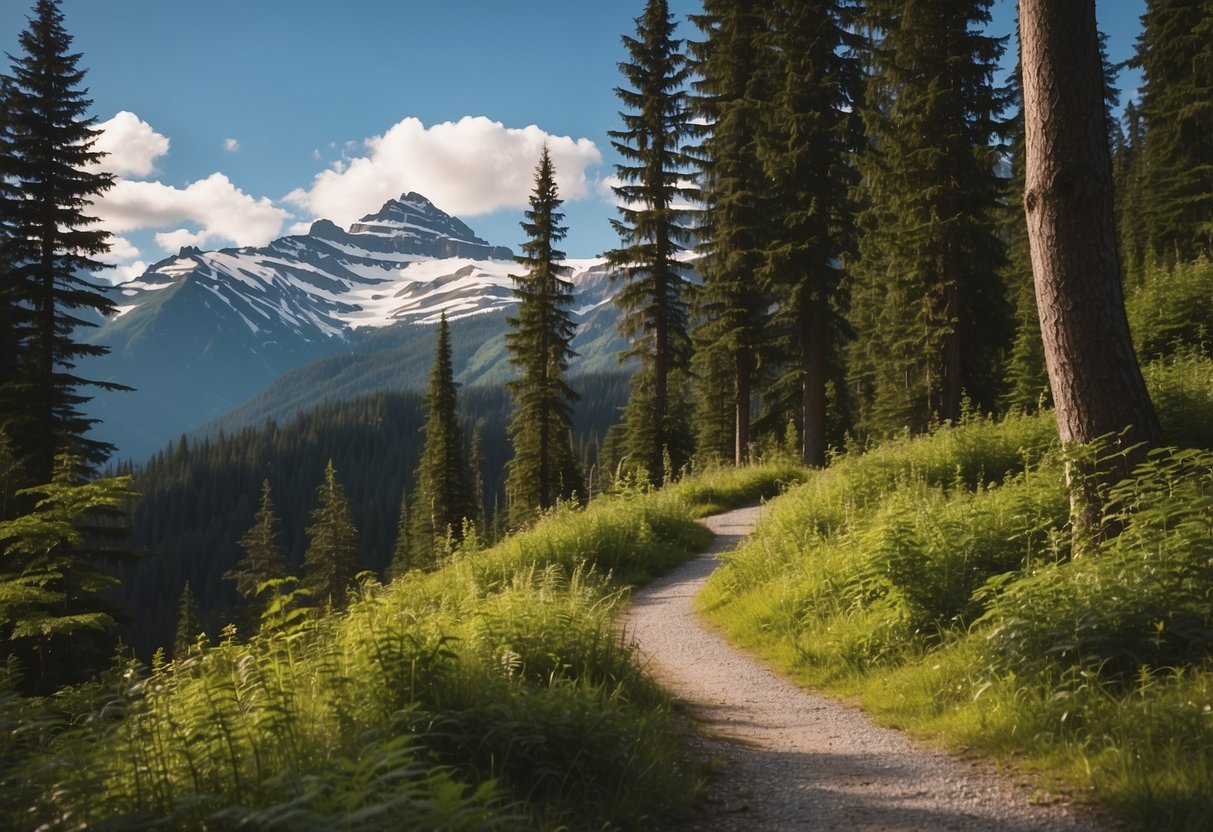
x=492 y=694
x=932 y=579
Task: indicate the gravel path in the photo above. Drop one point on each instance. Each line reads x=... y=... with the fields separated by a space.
x=789 y=759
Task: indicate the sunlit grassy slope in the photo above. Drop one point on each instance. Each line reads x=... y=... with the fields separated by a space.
x=931 y=578
x=492 y=694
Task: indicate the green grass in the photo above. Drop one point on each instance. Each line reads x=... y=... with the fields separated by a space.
x=495 y=693
x=931 y=578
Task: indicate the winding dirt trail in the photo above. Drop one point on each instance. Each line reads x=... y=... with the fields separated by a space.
x=790 y=759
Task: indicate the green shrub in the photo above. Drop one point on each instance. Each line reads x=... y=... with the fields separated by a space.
x=1181 y=388
x=1172 y=310
x=1145 y=600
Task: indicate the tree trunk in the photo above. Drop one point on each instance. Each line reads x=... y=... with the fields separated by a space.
x=1097 y=386
x=741 y=408
x=813 y=345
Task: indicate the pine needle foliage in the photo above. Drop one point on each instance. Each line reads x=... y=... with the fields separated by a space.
x=1175 y=54
x=441 y=493
x=928 y=306
x=333 y=556
x=653 y=228
x=733 y=82
x=50 y=243
x=58 y=573
x=543 y=469
x=264 y=559
x=808 y=156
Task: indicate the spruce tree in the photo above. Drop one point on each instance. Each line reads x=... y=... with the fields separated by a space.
x=1175 y=54
x=53 y=244
x=653 y=231
x=928 y=306
x=441 y=494
x=807 y=156
x=189 y=625
x=543 y=469
x=264 y=559
x=401 y=561
x=332 y=558
x=732 y=95
x=58 y=574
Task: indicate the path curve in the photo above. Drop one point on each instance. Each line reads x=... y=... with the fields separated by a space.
x=790 y=759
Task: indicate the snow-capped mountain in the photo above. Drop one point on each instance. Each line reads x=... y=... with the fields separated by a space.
x=201 y=332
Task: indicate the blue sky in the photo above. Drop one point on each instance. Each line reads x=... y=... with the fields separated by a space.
x=235 y=121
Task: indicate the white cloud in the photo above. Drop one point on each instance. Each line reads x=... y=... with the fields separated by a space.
x=121 y=249
x=222 y=212
x=128 y=271
x=131 y=144
x=469 y=167
x=172 y=241
x=231 y=145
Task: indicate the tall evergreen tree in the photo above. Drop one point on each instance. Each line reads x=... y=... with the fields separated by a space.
x=189 y=625
x=53 y=244
x=653 y=230
x=441 y=494
x=401 y=561
x=264 y=559
x=1129 y=184
x=333 y=557
x=732 y=94
x=1175 y=54
x=1071 y=224
x=544 y=467
x=808 y=156
x=928 y=305
x=1027 y=378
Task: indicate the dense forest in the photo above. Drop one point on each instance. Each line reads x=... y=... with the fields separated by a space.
x=888 y=239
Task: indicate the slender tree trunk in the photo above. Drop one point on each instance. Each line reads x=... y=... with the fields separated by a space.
x=813 y=414
x=1097 y=385
x=951 y=388
x=741 y=405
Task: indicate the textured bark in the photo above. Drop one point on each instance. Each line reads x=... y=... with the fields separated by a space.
x=1097 y=385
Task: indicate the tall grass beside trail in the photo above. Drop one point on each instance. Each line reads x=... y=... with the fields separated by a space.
x=933 y=579
x=493 y=694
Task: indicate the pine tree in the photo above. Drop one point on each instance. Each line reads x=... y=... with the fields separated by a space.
x=49 y=141
x=732 y=95
x=58 y=573
x=928 y=306
x=401 y=557
x=264 y=559
x=1027 y=377
x=476 y=461
x=543 y=469
x=807 y=156
x=189 y=624
x=441 y=494
x=332 y=558
x=1068 y=203
x=1175 y=54
x=652 y=228
x=1129 y=183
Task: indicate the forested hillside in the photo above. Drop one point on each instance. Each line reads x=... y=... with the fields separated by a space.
x=199 y=496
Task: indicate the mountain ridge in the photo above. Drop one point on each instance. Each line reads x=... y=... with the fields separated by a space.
x=201 y=332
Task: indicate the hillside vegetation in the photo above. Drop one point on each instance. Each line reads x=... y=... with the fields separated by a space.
x=494 y=693
x=932 y=578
